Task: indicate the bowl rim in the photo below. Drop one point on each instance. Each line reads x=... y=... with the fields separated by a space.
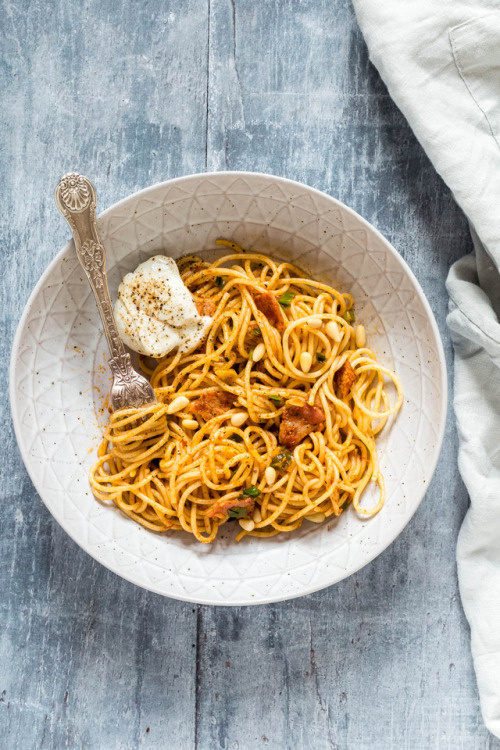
x=211 y=175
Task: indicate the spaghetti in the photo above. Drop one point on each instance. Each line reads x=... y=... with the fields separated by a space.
x=271 y=420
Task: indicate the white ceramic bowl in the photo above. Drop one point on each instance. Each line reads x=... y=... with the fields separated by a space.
x=59 y=378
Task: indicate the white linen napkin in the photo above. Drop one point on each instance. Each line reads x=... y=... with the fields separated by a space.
x=440 y=60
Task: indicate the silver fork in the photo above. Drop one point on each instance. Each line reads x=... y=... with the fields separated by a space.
x=76 y=199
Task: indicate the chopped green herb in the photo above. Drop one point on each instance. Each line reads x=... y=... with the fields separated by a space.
x=251 y=491
x=237 y=512
x=286 y=298
x=276 y=399
x=282 y=460
x=219 y=281
x=257 y=332
x=320 y=356
x=349 y=315
x=236 y=438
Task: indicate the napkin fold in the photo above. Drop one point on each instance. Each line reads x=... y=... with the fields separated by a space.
x=440 y=60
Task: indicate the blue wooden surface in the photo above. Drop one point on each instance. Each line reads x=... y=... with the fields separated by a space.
x=130 y=94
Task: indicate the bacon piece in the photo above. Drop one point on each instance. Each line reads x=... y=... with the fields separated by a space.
x=269 y=305
x=205 y=306
x=222 y=507
x=299 y=421
x=213 y=403
x=344 y=378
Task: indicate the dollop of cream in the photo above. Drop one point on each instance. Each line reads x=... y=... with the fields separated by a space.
x=155 y=312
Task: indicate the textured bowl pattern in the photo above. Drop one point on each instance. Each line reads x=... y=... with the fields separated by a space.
x=59 y=379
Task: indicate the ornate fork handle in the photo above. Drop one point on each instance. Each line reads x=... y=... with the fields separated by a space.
x=76 y=199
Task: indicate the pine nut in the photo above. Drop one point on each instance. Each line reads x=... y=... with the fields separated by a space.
x=270 y=475
x=305 y=361
x=258 y=352
x=239 y=418
x=177 y=404
x=315 y=517
x=257 y=515
x=360 y=336
x=332 y=330
x=225 y=373
x=189 y=424
x=247 y=524
x=295 y=401
x=314 y=321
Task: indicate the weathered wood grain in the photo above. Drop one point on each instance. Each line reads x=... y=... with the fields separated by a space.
x=131 y=94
